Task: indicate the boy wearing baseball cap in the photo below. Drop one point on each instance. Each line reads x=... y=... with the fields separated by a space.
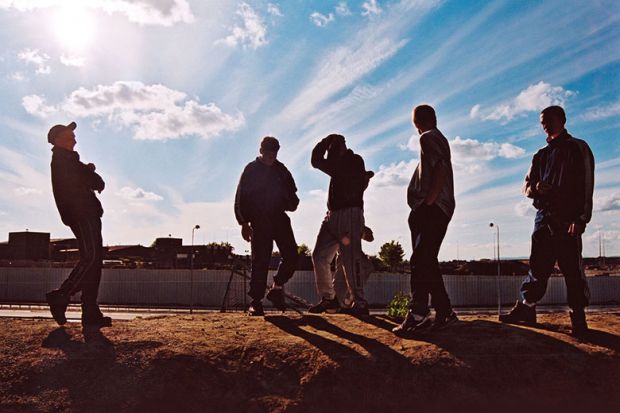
x=74 y=184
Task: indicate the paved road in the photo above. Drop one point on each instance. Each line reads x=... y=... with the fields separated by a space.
x=124 y=313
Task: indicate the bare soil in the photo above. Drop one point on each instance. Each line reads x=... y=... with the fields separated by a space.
x=287 y=363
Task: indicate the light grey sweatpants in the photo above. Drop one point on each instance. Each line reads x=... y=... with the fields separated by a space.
x=341 y=232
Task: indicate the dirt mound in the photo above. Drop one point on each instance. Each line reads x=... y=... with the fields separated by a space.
x=230 y=362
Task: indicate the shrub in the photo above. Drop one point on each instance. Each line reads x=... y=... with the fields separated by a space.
x=398 y=307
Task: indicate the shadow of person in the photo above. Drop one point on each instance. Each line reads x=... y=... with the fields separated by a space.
x=337 y=352
x=602 y=339
x=56 y=338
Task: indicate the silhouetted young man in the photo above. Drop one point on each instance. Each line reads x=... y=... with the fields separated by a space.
x=266 y=190
x=74 y=185
x=341 y=231
x=561 y=183
x=431 y=198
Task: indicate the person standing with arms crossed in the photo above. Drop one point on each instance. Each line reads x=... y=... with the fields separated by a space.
x=561 y=183
x=431 y=198
x=74 y=184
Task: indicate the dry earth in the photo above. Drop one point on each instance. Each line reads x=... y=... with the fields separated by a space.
x=230 y=362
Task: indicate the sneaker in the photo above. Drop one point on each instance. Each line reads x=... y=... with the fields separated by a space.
x=414 y=323
x=58 y=303
x=578 y=323
x=256 y=308
x=358 y=308
x=276 y=296
x=442 y=320
x=93 y=318
x=520 y=314
x=325 y=306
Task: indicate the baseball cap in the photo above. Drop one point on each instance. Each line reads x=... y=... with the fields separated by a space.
x=57 y=129
x=270 y=143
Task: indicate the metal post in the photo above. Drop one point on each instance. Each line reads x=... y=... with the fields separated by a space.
x=191 y=273
x=497 y=284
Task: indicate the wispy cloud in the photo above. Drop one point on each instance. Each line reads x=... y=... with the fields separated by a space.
x=72 y=61
x=36 y=58
x=534 y=98
x=603 y=112
x=25 y=191
x=144 y=12
x=274 y=10
x=371 y=7
x=608 y=203
x=321 y=20
x=154 y=112
x=342 y=9
x=250 y=33
x=138 y=194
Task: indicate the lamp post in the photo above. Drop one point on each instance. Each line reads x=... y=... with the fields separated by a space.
x=191 y=273
x=499 y=302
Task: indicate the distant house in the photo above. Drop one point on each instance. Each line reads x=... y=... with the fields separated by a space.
x=29 y=245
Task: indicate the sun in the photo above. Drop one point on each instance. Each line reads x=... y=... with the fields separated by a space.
x=73 y=26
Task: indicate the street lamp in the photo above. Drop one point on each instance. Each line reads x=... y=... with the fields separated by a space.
x=191 y=273
x=499 y=302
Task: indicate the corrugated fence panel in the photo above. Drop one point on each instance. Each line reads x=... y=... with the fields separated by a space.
x=174 y=287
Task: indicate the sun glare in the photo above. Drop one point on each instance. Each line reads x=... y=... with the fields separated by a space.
x=73 y=26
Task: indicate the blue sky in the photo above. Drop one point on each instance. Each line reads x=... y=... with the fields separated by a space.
x=171 y=98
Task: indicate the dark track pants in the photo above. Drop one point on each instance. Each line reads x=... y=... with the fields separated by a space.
x=86 y=276
x=428 y=225
x=548 y=247
x=264 y=232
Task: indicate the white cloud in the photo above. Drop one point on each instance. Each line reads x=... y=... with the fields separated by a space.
x=25 y=191
x=321 y=20
x=274 y=10
x=17 y=76
x=138 y=194
x=36 y=58
x=371 y=7
x=145 y=12
x=607 y=203
x=532 y=99
x=342 y=9
x=472 y=150
x=524 y=208
x=74 y=61
x=35 y=105
x=251 y=33
x=395 y=174
x=154 y=112
x=603 y=112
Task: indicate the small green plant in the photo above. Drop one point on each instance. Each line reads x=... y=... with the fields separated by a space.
x=398 y=307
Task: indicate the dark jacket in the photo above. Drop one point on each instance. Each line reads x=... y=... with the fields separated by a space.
x=74 y=184
x=264 y=191
x=567 y=164
x=348 y=177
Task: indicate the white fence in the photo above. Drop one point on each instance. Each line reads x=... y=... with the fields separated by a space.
x=173 y=288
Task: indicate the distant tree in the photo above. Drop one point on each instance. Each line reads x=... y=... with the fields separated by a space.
x=377 y=264
x=225 y=245
x=391 y=254
x=304 y=250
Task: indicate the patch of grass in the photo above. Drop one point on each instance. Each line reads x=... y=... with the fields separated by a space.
x=398 y=307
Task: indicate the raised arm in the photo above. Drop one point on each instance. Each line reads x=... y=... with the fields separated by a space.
x=318 y=160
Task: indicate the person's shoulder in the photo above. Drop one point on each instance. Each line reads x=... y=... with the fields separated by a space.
x=579 y=144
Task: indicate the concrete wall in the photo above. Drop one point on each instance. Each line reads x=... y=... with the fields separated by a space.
x=173 y=287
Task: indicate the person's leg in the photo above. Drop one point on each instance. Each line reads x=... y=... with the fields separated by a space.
x=285 y=240
x=542 y=260
x=262 y=246
x=324 y=252
x=71 y=284
x=350 y=223
x=437 y=227
x=421 y=265
x=577 y=291
x=93 y=245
